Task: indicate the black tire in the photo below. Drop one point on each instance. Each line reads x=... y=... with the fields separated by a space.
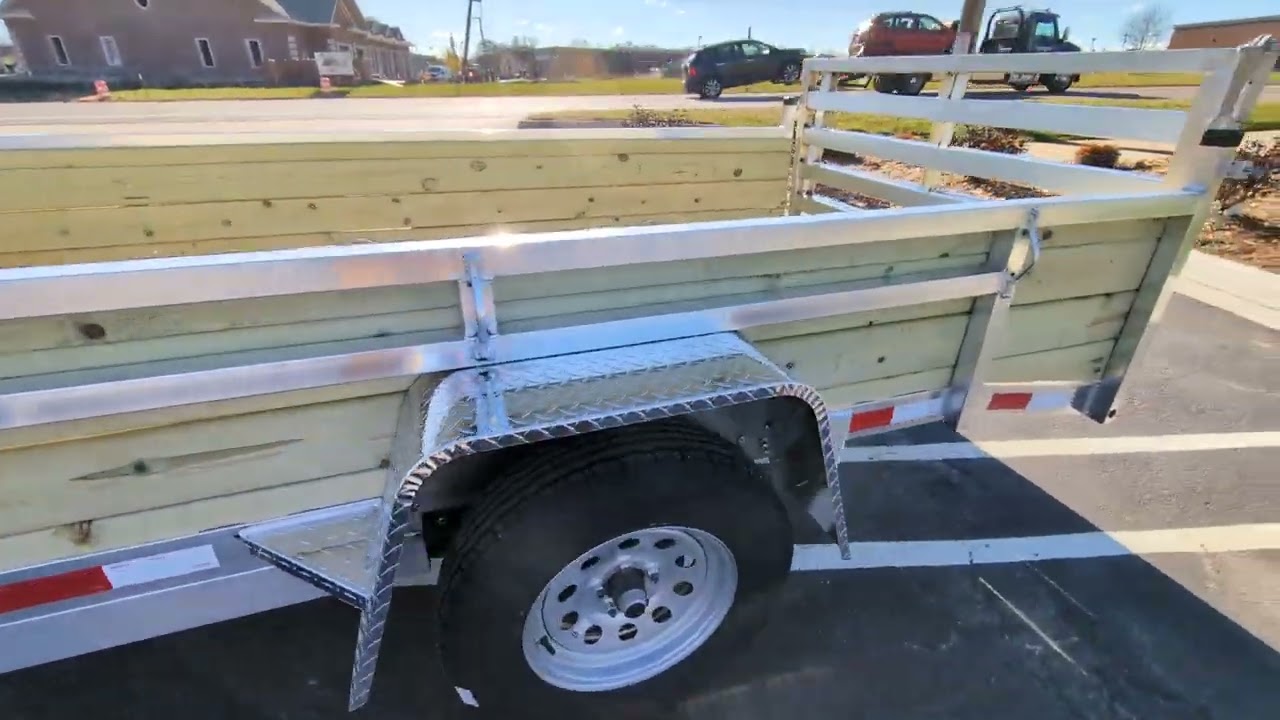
x=911 y=84
x=1056 y=84
x=1020 y=88
x=544 y=511
x=790 y=74
x=886 y=84
x=711 y=89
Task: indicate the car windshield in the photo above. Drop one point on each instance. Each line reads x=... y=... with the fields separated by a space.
x=1006 y=26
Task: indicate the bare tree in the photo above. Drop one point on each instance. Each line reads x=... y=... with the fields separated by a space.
x=1145 y=27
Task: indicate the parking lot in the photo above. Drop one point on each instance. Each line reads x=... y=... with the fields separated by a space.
x=924 y=627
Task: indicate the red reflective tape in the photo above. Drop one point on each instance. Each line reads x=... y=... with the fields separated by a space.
x=871 y=419
x=39 y=591
x=1009 y=401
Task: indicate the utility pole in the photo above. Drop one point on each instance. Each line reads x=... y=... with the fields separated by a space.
x=748 y=32
x=466 y=39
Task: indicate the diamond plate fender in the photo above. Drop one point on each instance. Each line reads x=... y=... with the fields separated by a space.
x=353 y=552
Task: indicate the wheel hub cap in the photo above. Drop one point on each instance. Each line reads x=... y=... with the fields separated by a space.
x=629 y=608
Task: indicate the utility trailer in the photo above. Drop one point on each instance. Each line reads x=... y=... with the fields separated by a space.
x=245 y=371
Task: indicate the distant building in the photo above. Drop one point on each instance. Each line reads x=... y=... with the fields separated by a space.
x=198 y=42
x=1223 y=33
x=561 y=63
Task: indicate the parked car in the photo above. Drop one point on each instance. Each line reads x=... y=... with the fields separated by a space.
x=902 y=33
x=712 y=69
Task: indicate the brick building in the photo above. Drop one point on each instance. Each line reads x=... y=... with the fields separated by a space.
x=1223 y=33
x=198 y=42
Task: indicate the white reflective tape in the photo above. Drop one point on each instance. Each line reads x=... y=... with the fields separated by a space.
x=161 y=567
x=1041 y=401
x=466 y=696
x=919 y=410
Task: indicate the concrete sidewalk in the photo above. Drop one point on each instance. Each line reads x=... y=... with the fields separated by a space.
x=1245 y=291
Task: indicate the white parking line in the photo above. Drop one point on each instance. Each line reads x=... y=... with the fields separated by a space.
x=1005 y=449
x=990 y=551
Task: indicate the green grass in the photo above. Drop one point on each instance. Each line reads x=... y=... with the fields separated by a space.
x=615 y=86
x=227 y=93
x=1265 y=117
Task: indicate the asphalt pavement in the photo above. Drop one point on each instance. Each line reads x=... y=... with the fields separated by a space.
x=399 y=113
x=1175 y=634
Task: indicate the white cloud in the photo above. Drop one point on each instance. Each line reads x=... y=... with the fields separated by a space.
x=680 y=11
x=543 y=27
x=656 y=3
x=522 y=22
x=619 y=31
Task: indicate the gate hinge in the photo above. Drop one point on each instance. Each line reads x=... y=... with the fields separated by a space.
x=1029 y=235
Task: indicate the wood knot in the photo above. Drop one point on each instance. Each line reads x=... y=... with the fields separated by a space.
x=92 y=331
x=479 y=165
x=623 y=157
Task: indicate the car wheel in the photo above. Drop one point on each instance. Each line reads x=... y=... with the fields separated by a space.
x=912 y=84
x=589 y=573
x=1020 y=88
x=886 y=84
x=711 y=88
x=1057 y=84
x=790 y=74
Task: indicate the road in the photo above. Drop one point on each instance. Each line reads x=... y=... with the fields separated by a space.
x=393 y=114
x=1179 y=633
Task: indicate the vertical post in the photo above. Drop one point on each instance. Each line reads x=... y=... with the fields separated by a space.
x=1207 y=145
x=1012 y=253
x=802 y=153
x=955 y=85
x=466 y=41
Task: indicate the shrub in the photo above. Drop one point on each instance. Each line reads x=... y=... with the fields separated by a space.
x=644 y=117
x=1009 y=142
x=1098 y=155
x=1264 y=177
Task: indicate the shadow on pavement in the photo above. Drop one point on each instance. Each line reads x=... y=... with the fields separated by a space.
x=1097 y=638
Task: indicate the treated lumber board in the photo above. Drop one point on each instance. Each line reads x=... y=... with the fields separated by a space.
x=1085 y=270
x=873 y=348
x=846 y=357
x=565 y=309
x=110 y=533
x=136 y=251
x=100 y=427
x=1079 y=363
x=99 y=227
x=412 y=327
x=70 y=482
x=168 y=184
x=286 y=152
x=843 y=396
x=120 y=326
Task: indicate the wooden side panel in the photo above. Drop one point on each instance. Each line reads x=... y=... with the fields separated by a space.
x=147 y=202
x=91 y=485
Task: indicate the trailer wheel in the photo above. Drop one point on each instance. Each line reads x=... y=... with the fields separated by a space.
x=1056 y=84
x=613 y=570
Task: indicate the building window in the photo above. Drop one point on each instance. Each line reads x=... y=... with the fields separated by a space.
x=255 y=52
x=59 y=50
x=144 y=4
x=110 y=51
x=293 y=48
x=206 y=52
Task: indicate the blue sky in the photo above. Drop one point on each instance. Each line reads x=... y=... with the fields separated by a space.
x=818 y=26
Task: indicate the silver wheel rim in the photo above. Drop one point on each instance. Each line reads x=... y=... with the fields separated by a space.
x=791 y=73
x=1062 y=79
x=629 y=609
x=712 y=87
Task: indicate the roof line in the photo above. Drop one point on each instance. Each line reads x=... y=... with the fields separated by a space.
x=1225 y=23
